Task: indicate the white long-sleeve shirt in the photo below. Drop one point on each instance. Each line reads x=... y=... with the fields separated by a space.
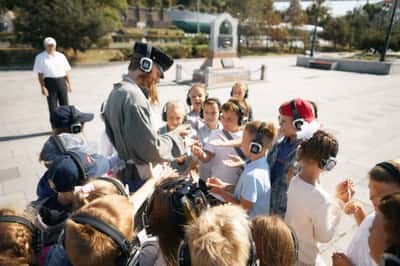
x=314 y=216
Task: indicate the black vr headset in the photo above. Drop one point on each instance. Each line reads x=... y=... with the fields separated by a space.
x=256 y=146
x=130 y=249
x=37 y=239
x=186 y=193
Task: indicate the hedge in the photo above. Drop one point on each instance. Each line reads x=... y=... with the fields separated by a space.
x=17 y=57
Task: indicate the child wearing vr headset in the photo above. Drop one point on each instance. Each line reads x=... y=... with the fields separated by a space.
x=174 y=114
x=311 y=212
x=210 y=113
x=282 y=156
x=240 y=91
x=20 y=239
x=195 y=98
x=232 y=119
x=253 y=189
x=368 y=242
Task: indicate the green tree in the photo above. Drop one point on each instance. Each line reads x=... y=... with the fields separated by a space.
x=75 y=24
x=295 y=14
x=323 y=14
x=337 y=30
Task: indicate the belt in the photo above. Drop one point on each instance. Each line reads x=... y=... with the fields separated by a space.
x=55 y=78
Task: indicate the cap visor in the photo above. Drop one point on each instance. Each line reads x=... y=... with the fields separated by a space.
x=86 y=117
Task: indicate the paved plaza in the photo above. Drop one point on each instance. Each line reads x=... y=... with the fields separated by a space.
x=361 y=110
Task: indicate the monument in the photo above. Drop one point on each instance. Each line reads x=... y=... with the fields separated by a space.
x=222 y=64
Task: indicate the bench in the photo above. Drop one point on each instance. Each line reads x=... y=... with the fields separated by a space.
x=322 y=64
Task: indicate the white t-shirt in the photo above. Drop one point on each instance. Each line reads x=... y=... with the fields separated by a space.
x=314 y=216
x=358 y=250
x=218 y=168
x=51 y=66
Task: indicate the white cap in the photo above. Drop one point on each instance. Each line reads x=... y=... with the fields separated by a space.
x=49 y=41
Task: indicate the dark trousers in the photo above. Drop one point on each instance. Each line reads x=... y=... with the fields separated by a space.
x=58 y=94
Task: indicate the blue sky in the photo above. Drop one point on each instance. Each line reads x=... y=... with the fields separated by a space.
x=337 y=8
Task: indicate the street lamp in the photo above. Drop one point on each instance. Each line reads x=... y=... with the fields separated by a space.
x=389 y=31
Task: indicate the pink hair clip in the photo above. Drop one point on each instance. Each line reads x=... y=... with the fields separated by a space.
x=86 y=189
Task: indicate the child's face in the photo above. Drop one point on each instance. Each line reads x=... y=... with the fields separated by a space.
x=211 y=113
x=197 y=96
x=238 y=92
x=175 y=117
x=229 y=120
x=378 y=190
x=245 y=145
x=286 y=126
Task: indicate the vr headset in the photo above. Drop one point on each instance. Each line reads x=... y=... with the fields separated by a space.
x=186 y=193
x=37 y=239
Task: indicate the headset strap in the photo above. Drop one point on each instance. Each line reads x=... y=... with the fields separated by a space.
x=237 y=149
x=59 y=144
x=294 y=110
x=107 y=229
x=116 y=183
x=79 y=163
x=18 y=220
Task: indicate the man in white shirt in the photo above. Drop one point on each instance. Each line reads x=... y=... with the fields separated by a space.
x=53 y=72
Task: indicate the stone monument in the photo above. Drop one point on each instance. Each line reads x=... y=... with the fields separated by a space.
x=223 y=64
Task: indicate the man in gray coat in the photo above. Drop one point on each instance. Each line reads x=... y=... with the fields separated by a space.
x=129 y=118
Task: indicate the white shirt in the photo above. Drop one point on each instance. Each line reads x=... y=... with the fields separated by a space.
x=204 y=134
x=358 y=250
x=218 y=168
x=314 y=216
x=51 y=66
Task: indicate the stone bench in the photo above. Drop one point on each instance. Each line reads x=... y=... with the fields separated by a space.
x=322 y=64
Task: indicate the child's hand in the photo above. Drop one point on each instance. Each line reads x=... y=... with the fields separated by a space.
x=161 y=172
x=235 y=161
x=340 y=259
x=345 y=190
x=197 y=151
x=353 y=207
x=183 y=130
x=181 y=160
x=216 y=183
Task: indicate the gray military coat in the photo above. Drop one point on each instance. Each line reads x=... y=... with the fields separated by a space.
x=129 y=125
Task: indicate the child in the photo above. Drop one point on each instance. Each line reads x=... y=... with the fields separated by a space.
x=368 y=242
x=174 y=204
x=17 y=241
x=220 y=236
x=253 y=189
x=275 y=242
x=240 y=91
x=311 y=212
x=174 y=114
x=210 y=114
x=233 y=113
x=196 y=95
x=85 y=245
x=281 y=157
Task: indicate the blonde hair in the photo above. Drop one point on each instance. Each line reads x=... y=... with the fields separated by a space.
x=15 y=241
x=146 y=80
x=220 y=237
x=199 y=86
x=101 y=188
x=175 y=104
x=269 y=131
x=274 y=241
x=85 y=245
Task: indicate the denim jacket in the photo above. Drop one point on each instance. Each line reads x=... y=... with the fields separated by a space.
x=279 y=184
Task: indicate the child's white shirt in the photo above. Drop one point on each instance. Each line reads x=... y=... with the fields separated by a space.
x=217 y=167
x=358 y=250
x=314 y=216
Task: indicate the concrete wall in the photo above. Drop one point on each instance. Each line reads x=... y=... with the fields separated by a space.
x=359 y=66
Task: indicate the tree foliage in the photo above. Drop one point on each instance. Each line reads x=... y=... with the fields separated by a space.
x=74 y=24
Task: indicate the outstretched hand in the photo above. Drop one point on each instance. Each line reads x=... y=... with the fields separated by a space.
x=161 y=172
x=345 y=190
x=234 y=161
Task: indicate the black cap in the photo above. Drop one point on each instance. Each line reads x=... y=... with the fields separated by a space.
x=157 y=55
x=64 y=173
x=66 y=115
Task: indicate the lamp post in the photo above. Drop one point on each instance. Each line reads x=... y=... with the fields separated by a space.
x=314 y=36
x=198 y=20
x=389 y=32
